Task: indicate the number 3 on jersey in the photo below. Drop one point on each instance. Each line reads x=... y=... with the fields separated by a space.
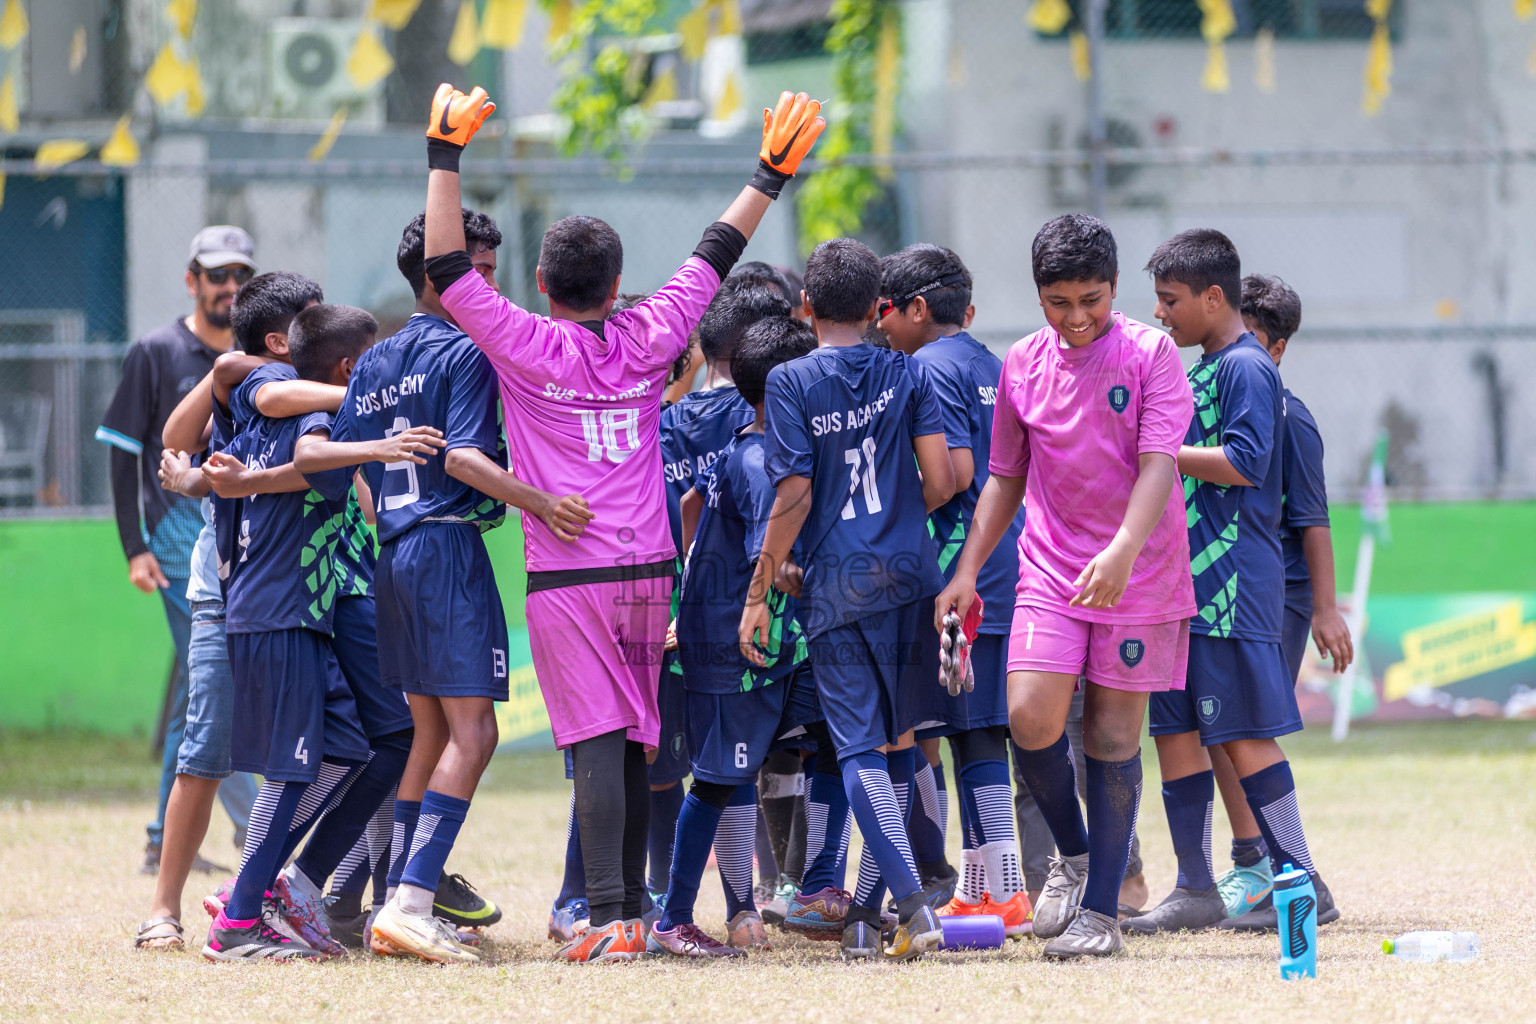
x=412 y=489
x=861 y=475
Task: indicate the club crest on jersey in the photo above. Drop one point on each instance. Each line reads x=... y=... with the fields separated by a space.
x=1208 y=708
x=1119 y=397
x=1131 y=652
x=678 y=742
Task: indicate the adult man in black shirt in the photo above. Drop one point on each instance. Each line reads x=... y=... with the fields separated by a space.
x=157 y=528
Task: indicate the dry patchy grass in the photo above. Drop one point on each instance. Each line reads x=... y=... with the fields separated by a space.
x=1415 y=826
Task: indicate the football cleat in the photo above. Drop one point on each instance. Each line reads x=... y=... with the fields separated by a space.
x=569 y=921
x=776 y=908
x=1246 y=888
x=306 y=917
x=429 y=938
x=1018 y=916
x=1090 y=934
x=346 y=920
x=1062 y=895
x=916 y=936
x=615 y=942
x=818 y=915
x=1263 y=918
x=1184 y=909
x=231 y=943
x=746 y=931
x=688 y=941
x=457 y=902
x=861 y=941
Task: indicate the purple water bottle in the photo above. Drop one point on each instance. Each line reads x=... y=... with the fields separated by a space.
x=972 y=931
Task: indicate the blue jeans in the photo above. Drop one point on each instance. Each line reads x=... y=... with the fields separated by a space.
x=203 y=662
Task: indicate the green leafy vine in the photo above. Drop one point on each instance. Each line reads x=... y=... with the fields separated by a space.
x=593 y=96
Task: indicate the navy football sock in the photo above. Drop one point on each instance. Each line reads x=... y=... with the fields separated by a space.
x=1190 y=803
x=941 y=791
x=987 y=793
x=873 y=802
x=351 y=876
x=277 y=803
x=927 y=832
x=380 y=828
x=406 y=813
x=1271 y=793
x=735 y=840
x=1114 y=796
x=1051 y=775
x=574 y=882
x=662 y=830
x=331 y=785
x=1246 y=852
x=826 y=823
x=348 y=820
x=436 y=829
x=697 y=824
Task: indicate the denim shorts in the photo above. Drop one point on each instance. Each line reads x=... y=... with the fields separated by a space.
x=210 y=696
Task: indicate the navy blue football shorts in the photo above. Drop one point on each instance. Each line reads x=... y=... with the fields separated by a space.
x=1295 y=630
x=1234 y=690
x=863 y=671
x=381 y=709
x=671 y=764
x=985 y=707
x=441 y=628
x=292 y=707
x=731 y=734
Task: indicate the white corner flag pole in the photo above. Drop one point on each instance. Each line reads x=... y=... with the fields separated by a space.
x=1373 y=518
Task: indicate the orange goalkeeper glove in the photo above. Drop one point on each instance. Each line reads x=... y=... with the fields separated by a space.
x=789 y=131
x=455 y=119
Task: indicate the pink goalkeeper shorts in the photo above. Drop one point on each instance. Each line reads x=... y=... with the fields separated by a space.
x=1122 y=657
x=597 y=650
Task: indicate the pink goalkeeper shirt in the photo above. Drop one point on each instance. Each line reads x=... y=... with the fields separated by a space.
x=583 y=413
x=1073 y=421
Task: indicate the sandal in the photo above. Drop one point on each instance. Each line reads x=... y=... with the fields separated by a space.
x=159 y=933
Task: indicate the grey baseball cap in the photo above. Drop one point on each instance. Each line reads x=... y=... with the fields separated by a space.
x=222 y=245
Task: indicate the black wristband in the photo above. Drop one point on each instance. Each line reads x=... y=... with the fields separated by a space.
x=769 y=181
x=444 y=270
x=721 y=247
x=443 y=155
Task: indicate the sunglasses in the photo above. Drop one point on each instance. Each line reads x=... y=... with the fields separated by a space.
x=885 y=306
x=221 y=275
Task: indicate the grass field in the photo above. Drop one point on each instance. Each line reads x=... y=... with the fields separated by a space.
x=1419 y=826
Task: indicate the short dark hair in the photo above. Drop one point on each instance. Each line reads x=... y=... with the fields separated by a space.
x=842 y=280
x=480 y=232
x=795 y=282
x=578 y=259
x=627 y=300
x=1272 y=304
x=322 y=336
x=933 y=272
x=758 y=273
x=766 y=344
x=267 y=304
x=1199 y=258
x=1074 y=247
x=876 y=337
x=732 y=312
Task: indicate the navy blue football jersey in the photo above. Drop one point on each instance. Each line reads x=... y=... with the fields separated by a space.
x=846 y=418
x=1305 y=499
x=694 y=431
x=964 y=374
x=738 y=500
x=275 y=550
x=429 y=374
x=1234 y=532
x=354 y=553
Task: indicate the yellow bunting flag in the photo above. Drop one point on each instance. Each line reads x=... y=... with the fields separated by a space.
x=369 y=62
x=464 y=43
x=1049 y=17
x=1378 y=60
x=1216 y=24
x=10 y=116
x=77 y=47
x=694 y=28
x=13 y=24
x=1264 y=60
x=663 y=88
x=182 y=13
x=194 y=79
x=1082 y=61
x=327 y=139
x=1524 y=9
x=58 y=152
x=166 y=78
x=501 y=26
x=121 y=149
x=882 y=128
x=730 y=18
x=729 y=101
x=393 y=14
x=559 y=23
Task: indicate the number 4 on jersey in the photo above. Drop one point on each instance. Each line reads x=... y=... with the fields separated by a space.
x=861 y=474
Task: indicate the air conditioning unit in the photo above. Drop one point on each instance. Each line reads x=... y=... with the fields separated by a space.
x=307 y=71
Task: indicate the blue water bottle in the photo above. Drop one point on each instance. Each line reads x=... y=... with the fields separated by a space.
x=1296 y=910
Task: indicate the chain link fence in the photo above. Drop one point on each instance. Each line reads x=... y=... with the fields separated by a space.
x=1402 y=232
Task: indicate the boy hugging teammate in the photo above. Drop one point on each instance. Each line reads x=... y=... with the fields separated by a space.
x=736 y=709
x=1090 y=414
x=582 y=397
x=843 y=425
x=926 y=305
x=1241 y=695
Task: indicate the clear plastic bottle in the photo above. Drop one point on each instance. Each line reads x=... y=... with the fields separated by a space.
x=1432 y=947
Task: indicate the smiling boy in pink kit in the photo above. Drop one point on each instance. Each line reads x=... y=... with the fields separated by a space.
x=1091 y=412
x=581 y=394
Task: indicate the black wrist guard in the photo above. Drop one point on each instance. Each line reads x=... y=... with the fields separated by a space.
x=769 y=181
x=443 y=155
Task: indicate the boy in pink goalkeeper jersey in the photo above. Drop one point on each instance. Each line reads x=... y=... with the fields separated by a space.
x=1091 y=412
x=582 y=395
